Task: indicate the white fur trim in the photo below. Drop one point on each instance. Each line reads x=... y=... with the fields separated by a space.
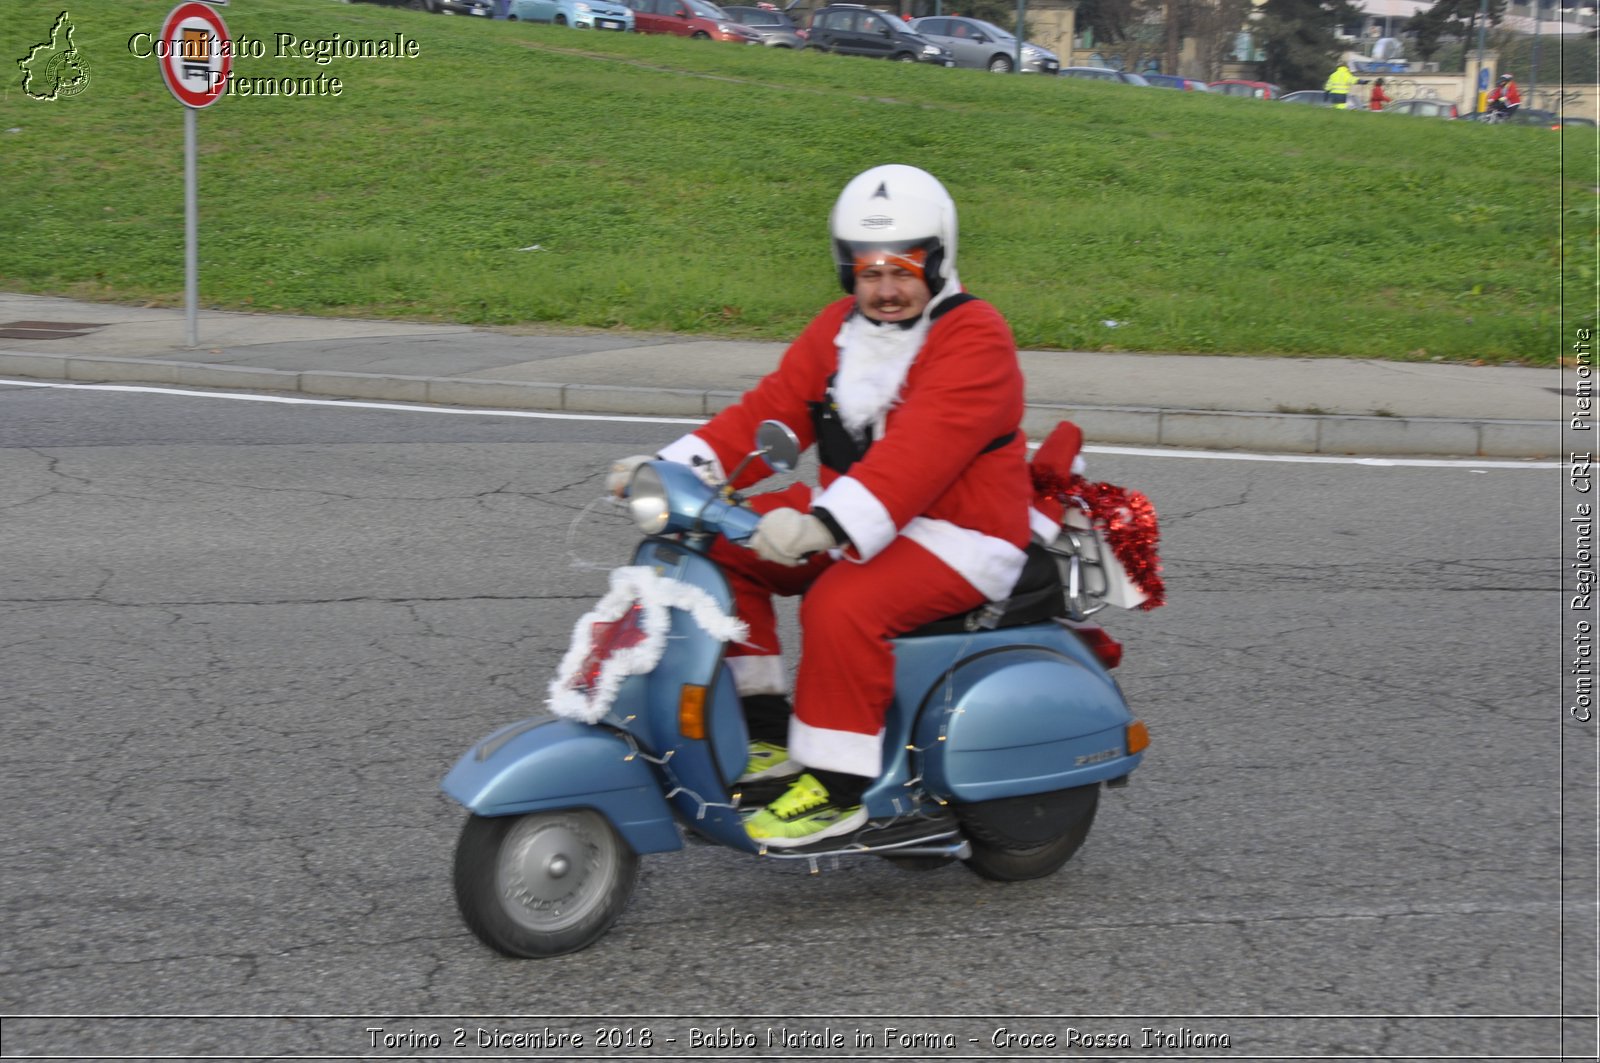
x=864 y=519
x=1044 y=529
x=757 y=675
x=991 y=565
x=874 y=358
x=847 y=751
x=685 y=449
x=656 y=595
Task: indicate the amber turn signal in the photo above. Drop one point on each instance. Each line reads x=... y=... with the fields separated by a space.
x=692 y=711
x=1138 y=737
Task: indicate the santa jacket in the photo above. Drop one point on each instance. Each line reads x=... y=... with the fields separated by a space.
x=947 y=466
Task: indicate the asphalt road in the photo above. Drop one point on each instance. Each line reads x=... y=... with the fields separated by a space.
x=242 y=642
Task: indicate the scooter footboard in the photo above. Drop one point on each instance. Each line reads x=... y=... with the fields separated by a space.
x=1022 y=721
x=557 y=763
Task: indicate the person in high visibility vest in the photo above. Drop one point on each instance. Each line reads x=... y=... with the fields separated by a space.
x=1338 y=87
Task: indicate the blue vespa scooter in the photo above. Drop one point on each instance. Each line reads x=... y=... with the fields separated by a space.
x=1004 y=727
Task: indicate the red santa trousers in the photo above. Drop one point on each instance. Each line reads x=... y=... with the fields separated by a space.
x=848 y=614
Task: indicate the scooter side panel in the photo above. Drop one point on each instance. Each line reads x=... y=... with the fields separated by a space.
x=1022 y=719
x=554 y=764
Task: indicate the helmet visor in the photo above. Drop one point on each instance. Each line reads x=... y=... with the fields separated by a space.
x=911 y=256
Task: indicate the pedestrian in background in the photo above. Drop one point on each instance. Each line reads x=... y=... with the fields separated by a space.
x=1377 y=98
x=1338 y=87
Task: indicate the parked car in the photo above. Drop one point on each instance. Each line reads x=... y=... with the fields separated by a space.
x=982 y=45
x=1173 y=81
x=700 y=19
x=447 y=7
x=775 y=28
x=1424 y=108
x=579 y=14
x=1260 y=90
x=854 y=29
x=1314 y=97
x=1102 y=73
x=1534 y=116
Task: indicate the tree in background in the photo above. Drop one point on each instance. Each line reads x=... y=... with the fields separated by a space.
x=1447 y=20
x=1300 y=41
x=1213 y=25
x=1111 y=21
x=1002 y=13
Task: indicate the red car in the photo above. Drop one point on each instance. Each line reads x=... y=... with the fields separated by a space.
x=700 y=19
x=1261 y=90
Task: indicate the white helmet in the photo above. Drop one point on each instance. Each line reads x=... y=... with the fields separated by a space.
x=898 y=212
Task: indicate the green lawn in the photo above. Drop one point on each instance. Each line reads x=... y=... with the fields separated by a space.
x=515 y=173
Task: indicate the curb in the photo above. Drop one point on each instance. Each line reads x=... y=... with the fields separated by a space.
x=1292 y=433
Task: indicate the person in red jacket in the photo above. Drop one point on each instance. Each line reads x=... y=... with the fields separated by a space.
x=912 y=392
x=1505 y=99
x=1378 y=97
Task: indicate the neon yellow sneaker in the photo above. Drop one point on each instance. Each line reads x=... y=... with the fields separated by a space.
x=803 y=815
x=768 y=761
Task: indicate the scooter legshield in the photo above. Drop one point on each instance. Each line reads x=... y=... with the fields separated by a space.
x=550 y=764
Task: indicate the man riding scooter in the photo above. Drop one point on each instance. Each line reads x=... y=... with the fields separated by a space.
x=1505 y=99
x=912 y=392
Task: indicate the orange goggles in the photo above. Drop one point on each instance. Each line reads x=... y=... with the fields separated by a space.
x=913 y=261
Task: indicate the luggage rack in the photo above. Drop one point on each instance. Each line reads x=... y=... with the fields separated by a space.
x=1080 y=555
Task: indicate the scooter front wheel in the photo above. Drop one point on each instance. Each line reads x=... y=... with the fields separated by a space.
x=542 y=884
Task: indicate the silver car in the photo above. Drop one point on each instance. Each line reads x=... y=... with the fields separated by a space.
x=984 y=46
x=775 y=28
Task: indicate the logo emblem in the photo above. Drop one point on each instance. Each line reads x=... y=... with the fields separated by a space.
x=54 y=69
x=877 y=221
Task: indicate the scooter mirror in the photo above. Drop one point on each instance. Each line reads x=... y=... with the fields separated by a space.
x=778 y=446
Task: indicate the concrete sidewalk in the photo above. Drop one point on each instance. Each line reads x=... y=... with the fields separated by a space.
x=1297 y=405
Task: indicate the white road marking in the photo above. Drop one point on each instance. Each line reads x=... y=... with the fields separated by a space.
x=1142 y=452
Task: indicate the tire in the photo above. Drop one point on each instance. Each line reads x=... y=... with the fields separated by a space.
x=1000 y=64
x=905 y=57
x=700 y=35
x=419 y=5
x=542 y=884
x=1000 y=854
x=561 y=20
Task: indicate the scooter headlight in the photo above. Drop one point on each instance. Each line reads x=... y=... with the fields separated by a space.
x=647 y=500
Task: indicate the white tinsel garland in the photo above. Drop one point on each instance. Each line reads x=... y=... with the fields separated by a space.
x=655 y=595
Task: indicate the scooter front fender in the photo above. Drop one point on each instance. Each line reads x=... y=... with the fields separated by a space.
x=550 y=764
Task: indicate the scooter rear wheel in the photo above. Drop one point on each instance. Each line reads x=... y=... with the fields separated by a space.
x=993 y=830
x=542 y=884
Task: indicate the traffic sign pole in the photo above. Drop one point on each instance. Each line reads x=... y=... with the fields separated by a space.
x=196 y=58
x=191 y=231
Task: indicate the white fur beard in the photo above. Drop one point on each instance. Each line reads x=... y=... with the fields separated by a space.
x=873 y=361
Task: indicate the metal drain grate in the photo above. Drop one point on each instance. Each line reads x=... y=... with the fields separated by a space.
x=47 y=330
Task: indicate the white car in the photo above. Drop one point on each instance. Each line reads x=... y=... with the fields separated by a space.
x=579 y=14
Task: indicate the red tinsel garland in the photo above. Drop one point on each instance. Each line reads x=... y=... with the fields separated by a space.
x=1129 y=521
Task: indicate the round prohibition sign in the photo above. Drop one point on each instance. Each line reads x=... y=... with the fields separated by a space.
x=196 y=54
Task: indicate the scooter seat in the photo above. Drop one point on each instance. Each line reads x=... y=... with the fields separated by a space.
x=1038 y=595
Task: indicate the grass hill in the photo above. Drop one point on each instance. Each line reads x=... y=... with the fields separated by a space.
x=512 y=173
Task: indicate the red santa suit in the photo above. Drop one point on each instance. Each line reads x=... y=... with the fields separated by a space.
x=936 y=506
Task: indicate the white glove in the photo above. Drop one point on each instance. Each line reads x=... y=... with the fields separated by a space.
x=622 y=471
x=787 y=536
